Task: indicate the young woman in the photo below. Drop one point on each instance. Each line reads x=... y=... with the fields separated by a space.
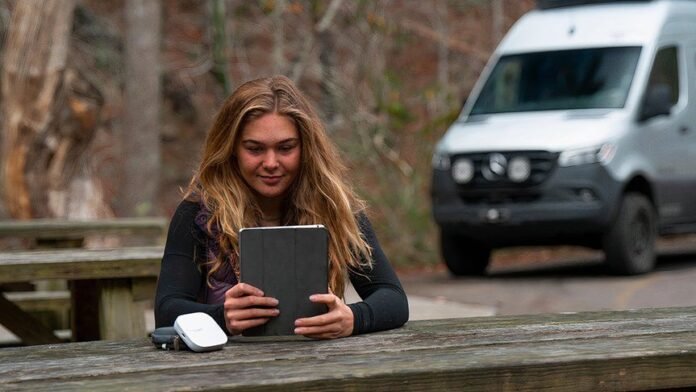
x=267 y=161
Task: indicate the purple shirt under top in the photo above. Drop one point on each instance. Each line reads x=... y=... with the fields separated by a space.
x=213 y=292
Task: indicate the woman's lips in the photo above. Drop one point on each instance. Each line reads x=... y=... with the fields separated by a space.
x=271 y=180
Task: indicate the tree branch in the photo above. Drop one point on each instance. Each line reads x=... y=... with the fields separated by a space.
x=456 y=45
x=324 y=23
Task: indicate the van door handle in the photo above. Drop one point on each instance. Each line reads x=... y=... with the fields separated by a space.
x=684 y=130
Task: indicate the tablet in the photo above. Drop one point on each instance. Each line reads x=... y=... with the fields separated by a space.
x=289 y=263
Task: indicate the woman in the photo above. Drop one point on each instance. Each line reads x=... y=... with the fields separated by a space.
x=267 y=161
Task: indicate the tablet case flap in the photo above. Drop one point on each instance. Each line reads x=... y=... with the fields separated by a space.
x=289 y=263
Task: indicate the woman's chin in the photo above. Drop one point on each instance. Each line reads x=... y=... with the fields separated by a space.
x=270 y=193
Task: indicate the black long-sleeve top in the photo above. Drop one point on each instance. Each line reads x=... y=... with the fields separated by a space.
x=384 y=304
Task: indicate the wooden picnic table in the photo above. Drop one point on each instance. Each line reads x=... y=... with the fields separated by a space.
x=646 y=349
x=122 y=279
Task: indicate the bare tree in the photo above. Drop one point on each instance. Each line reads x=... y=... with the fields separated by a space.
x=498 y=21
x=32 y=78
x=219 y=45
x=140 y=129
x=438 y=15
x=320 y=27
x=279 y=63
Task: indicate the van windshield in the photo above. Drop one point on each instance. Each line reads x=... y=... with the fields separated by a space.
x=559 y=80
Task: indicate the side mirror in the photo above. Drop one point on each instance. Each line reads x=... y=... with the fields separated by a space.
x=657 y=101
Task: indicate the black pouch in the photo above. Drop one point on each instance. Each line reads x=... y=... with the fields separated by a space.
x=166 y=338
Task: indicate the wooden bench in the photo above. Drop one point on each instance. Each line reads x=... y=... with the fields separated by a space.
x=52 y=307
x=617 y=350
x=58 y=228
x=60 y=233
x=122 y=280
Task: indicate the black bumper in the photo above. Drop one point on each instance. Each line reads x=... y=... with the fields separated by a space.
x=575 y=205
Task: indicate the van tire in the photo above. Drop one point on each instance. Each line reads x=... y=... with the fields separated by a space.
x=464 y=256
x=629 y=245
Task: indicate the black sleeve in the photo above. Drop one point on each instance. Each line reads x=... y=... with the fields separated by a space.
x=180 y=278
x=384 y=304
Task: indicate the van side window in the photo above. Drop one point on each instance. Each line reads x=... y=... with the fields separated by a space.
x=662 y=92
x=666 y=72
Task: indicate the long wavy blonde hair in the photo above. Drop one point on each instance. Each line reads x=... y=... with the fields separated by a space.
x=319 y=194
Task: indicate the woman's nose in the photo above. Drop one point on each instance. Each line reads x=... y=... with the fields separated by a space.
x=270 y=161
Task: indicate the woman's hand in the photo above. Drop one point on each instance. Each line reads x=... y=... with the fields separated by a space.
x=336 y=323
x=246 y=307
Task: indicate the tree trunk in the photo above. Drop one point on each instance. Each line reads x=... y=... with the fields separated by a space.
x=327 y=84
x=498 y=21
x=279 y=63
x=140 y=129
x=32 y=79
x=441 y=26
x=220 y=58
x=324 y=23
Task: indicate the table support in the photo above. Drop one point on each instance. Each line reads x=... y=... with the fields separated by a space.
x=120 y=315
x=25 y=326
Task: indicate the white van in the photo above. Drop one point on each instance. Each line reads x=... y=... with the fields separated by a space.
x=581 y=130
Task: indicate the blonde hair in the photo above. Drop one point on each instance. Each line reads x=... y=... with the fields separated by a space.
x=319 y=195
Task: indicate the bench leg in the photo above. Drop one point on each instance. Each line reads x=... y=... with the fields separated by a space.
x=84 y=310
x=120 y=316
x=27 y=328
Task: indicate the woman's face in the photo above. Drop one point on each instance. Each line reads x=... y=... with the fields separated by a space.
x=268 y=154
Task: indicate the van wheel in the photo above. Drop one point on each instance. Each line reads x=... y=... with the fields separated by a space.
x=629 y=245
x=464 y=256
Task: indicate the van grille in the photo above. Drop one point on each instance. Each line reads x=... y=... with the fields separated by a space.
x=542 y=165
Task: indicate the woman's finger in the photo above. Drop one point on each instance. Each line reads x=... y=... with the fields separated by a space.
x=319 y=330
x=240 y=325
x=243 y=289
x=251 y=313
x=322 y=319
x=250 y=301
x=329 y=299
x=239 y=320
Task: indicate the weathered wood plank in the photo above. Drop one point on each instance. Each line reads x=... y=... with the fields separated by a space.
x=56 y=228
x=446 y=372
x=144 y=288
x=40 y=300
x=394 y=370
x=80 y=264
x=629 y=350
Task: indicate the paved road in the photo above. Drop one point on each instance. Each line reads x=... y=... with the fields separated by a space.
x=559 y=286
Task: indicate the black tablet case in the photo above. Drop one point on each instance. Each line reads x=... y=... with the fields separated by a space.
x=289 y=263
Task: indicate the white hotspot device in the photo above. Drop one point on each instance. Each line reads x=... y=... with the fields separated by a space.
x=200 y=332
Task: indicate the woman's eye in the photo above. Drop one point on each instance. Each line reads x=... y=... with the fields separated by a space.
x=287 y=148
x=254 y=150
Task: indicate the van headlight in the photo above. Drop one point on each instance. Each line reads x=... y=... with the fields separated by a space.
x=598 y=154
x=519 y=169
x=462 y=170
x=441 y=161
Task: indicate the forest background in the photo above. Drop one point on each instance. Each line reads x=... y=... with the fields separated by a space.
x=105 y=104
